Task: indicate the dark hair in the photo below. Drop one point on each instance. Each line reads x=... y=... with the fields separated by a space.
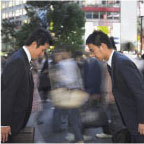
x=142 y=56
x=113 y=43
x=98 y=37
x=40 y=36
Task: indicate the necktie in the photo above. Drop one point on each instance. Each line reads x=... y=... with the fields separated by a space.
x=30 y=65
x=109 y=70
x=31 y=75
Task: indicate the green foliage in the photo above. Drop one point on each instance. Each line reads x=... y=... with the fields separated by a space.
x=8 y=33
x=23 y=34
x=69 y=22
x=27 y=28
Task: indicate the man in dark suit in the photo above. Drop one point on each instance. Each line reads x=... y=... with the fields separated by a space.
x=127 y=83
x=17 y=84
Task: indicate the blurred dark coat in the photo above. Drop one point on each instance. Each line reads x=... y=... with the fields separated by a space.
x=16 y=92
x=128 y=89
x=44 y=84
x=92 y=76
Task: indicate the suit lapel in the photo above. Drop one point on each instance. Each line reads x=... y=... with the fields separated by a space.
x=28 y=68
x=113 y=69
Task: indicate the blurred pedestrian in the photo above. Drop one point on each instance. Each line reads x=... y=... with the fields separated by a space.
x=59 y=121
x=127 y=83
x=17 y=84
x=68 y=76
x=92 y=77
x=78 y=55
x=37 y=107
x=36 y=104
x=44 y=85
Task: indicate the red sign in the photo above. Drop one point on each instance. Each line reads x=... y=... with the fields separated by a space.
x=102 y=9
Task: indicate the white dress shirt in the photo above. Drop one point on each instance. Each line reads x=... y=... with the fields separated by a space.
x=109 y=62
x=27 y=53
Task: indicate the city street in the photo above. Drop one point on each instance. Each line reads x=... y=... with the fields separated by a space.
x=72 y=66
x=44 y=132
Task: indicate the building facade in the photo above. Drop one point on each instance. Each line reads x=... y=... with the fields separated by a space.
x=100 y=15
x=103 y=15
x=14 y=11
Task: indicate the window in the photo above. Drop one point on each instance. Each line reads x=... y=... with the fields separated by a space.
x=96 y=15
x=89 y=15
x=102 y=15
x=109 y=15
x=113 y=15
x=10 y=14
x=3 y=4
x=6 y=4
x=6 y=15
x=104 y=2
x=24 y=1
x=117 y=1
x=10 y=3
x=17 y=2
x=18 y=12
x=3 y=16
x=116 y=15
x=24 y=12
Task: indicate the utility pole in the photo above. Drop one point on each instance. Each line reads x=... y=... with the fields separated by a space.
x=141 y=35
x=141 y=10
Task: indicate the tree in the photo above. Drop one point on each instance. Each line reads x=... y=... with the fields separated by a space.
x=65 y=19
x=23 y=34
x=68 y=23
x=8 y=35
x=27 y=28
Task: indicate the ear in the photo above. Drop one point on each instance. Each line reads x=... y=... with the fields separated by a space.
x=103 y=46
x=34 y=44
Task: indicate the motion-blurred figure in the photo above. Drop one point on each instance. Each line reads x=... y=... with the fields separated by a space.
x=67 y=75
x=36 y=104
x=44 y=84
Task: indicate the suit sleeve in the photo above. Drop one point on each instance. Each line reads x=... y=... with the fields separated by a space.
x=11 y=79
x=134 y=81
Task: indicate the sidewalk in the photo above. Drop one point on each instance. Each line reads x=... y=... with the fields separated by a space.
x=44 y=132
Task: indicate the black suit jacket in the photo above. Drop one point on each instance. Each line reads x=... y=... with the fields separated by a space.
x=16 y=92
x=128 y=89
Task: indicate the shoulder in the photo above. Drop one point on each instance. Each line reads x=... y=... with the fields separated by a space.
x=17 y=57
x=121 y=59
x=15 y=61
x=123 y=62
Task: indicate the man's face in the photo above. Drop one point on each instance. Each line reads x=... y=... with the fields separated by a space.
x=97 y=51
x=39 y=51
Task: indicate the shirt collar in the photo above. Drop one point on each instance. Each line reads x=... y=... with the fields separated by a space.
x=109 y=62
x=27 y=53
